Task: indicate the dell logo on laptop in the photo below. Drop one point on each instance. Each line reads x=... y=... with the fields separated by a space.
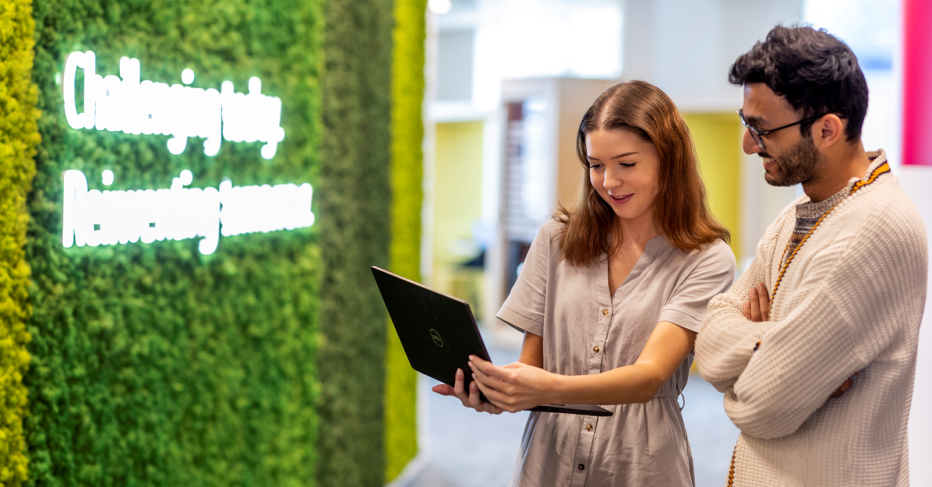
x=436 y=337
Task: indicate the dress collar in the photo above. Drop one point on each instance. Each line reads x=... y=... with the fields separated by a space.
x=653 y=248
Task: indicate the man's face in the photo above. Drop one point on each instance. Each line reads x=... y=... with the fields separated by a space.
x=790 y=158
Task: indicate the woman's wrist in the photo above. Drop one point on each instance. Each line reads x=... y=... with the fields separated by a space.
x=556 y=393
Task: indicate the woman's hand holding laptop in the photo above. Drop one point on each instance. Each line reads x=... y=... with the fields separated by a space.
x=470 y=399
x=514 y=387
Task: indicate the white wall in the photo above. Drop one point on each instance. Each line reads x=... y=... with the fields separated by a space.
x=916 y=181
x=686 y=46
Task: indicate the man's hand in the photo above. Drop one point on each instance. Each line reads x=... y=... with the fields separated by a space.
x=757 y=309
x=844 y=387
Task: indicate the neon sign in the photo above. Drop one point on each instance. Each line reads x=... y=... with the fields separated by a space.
x=133 y=106
x=94 y=217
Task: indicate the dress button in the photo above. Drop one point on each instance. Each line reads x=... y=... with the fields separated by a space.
x=596 y=349
x=588 y=427
x=581 y=466
x=605 y=312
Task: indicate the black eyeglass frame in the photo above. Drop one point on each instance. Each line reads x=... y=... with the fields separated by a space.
x=758 y=135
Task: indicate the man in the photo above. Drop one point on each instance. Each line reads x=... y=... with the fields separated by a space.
x=815 y=345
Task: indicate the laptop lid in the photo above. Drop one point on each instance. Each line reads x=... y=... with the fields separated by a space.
x=439 y=333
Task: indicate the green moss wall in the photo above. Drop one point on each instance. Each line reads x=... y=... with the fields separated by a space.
x=266 y=363
x=354 y=228
x=407 y=135
x=19 y=136
x=152 y=364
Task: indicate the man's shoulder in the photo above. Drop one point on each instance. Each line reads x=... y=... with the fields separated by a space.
x=884 y=218
x=886 y=207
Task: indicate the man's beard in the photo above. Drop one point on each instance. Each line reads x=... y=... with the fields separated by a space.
x=798 y=165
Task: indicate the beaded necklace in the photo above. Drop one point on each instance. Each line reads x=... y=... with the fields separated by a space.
x=881 y=169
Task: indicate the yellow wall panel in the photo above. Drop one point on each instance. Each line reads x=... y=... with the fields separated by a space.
x=718 y=141
x=457 y=206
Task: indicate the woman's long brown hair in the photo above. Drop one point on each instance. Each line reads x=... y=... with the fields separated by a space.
x=680 y=209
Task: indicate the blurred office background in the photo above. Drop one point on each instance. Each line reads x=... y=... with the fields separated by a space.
x=507 y=83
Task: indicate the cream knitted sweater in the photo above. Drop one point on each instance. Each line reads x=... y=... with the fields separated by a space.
x=851 y=300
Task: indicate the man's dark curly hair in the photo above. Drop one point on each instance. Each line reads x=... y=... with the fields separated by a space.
x=816 y=72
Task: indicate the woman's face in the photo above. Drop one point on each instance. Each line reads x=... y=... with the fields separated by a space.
x=624 y=169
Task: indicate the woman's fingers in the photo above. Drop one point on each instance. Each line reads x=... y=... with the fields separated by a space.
x=459 y=388
x=746 y=310
x=469 y=396
x=487 y=367
x=494 y=384
x=475 y=401
x=458 y=382
x=499 y=400
x=488 y=380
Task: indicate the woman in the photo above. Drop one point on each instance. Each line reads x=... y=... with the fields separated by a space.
x=610 y=299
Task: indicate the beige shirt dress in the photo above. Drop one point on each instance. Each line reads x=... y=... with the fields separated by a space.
x=587 y=331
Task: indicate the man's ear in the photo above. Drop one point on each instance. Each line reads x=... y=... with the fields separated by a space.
x=828 y=131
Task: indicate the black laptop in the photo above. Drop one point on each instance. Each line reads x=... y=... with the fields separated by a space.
x=439 y=333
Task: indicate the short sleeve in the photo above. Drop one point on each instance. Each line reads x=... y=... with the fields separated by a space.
x=711 y=276
x=524 y=308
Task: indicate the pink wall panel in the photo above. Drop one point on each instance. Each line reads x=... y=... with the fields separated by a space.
x=917 y=82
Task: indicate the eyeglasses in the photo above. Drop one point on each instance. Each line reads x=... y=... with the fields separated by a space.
x=758 y=135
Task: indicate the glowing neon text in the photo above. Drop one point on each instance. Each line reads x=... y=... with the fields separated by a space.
x=94 y=217
x=132 y=106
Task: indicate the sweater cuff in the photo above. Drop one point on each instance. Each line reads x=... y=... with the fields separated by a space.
x=752 y=341
x=520 y=322
x=723 y=349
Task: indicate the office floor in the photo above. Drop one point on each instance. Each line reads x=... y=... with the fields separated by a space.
x=469 y=449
